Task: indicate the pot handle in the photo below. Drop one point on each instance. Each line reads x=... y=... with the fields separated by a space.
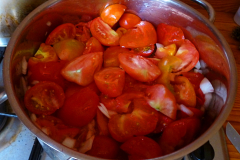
x=208 y=7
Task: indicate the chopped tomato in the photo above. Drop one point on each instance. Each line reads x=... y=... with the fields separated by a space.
x=111 y=14
x=64 y=31
x=132 y=84
x=163 y=122
x=161 y=99
x=185 y=93
x=104 y=33
x=144 y=51
x=104 y=147
x=139 y=67
x=110 y=81
x=102 y=124
x=110 y=56
x=83 y=33
x=69 y=49
x=109 y=102
x=189 y=55
x=44 y=98
x=196 y=113
x=81 y=69
x=168 y=34
x=143 y=147
x=80 y=108
x=93 y=45
x=142 y=35
x=121 y=31
x=129 y=20
x=141 y=121
x=178 y=134
x=164 y=51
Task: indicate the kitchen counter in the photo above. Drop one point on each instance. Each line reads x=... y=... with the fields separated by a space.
x=225 y=11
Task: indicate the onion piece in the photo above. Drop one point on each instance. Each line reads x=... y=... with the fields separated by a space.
x=69 y=142
x=198 y=71
x=185 y=109
x=104 y=110
x=24 y=65
x=87 y=145
x=203 y=64
x=208 y=98
x=198 y=65
x=206 y=86
x=45 y=130
x=33 y=117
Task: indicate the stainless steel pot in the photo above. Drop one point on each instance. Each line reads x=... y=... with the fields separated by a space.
x=218 y=57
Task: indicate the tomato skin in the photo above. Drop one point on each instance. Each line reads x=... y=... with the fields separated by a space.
x=142 y=146
x=44 y=98
x=110 y=81
x=82 y=69
x=142 y=35
x=178 y=134
x=80 y=108
x=104 y=147
x=68 y=49
x=109 y=102
x=104 y=33
x=63 y=31
x=93 y=45
x=144 y=51
x=83 y=33
x=129 y=20
x=102 y=123
x=162 y=99
x=168 y=34
x=111 y=14
x=139 y=67
x=163 y=122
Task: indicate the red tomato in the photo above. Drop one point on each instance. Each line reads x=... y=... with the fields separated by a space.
x=83 y=33
x=139 y=67
x=110 y=81
x=168 y=34
x=47 y=71
x=141 y=121
x=144 y=51
x=132 y=84
x=111 y=14
x=178 y=134
x=109 y=103
x=129 y=20
x=82 y=69
x=93 y=45
x=110 y=56
x=185 y=93
x=80 y=108
x=189 y=55
x=104 y=147
x=143 y=147
x=44 y=98
x=142 y=35
x=68 y=49
x=162 y=99
x=104 y=33
x=163 y=122
x=64 y=31
x=102 y=124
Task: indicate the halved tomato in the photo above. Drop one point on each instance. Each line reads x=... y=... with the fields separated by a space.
x=163 y=122
x=162 y=99
x=129 y=20
x=44 y=98
x=93 y=45
x=144 y=51
x=83 y=33
x=164 y=51
x=110 y=81
x=63 y=31
x=111 y=14
x=102 y=123
x=142 y=35
x=104 y=33
x=82 y=69
x=139 y=67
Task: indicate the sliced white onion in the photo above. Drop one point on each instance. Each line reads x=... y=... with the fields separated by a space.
x=158 y=45
x=24 y=66
x=46 y=130
x=104 y=110
x=206 y=86
x=208 y=98
x=198 y=71
x=203 y=64
x=185 y=109
x=198 y=65
x=220 y=89
x=205 y=71
x=87 y=145
x=33 y=117
x=69 y=142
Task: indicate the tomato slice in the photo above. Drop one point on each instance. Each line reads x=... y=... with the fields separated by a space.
x=93 y=45
x=44 y=98
x=68 y=49
x=111 y=14
x=162 y=99
x=104 y=147
x=109 y=102
x=139 y=67
x=189 y=55
x=110 y=56
x=163 y=122
x=103 y=32
x=80 y=108
x=178 y=134
x=102 y=124
x=144 y=51
x=185 y=93
x=142 y=35
x=63 y=31
x=83 y=33
x=141 y=121
x=164 y=51
x=143 y=147
x=81 y=69
x=168 y=34
x=129 y=20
